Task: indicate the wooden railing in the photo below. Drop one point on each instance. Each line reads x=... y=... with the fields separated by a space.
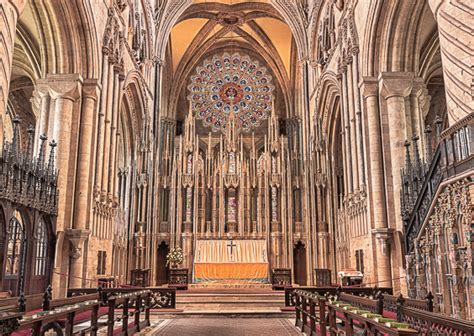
x=429 y=323
x=310 y=312
x=131 y=305
x=334 y=291
x=394 y=304
x=315 y=312
x=68 y=316
x=60 y=320
x=161 y=298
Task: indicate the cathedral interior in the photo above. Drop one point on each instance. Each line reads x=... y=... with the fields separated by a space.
x=269 y=143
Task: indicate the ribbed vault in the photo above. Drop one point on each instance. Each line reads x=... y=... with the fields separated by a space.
x=252 y=28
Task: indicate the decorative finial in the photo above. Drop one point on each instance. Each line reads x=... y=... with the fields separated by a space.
x=29 y=151
x=52 y=144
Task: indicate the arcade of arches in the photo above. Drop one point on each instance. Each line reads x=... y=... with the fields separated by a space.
x=270 y=134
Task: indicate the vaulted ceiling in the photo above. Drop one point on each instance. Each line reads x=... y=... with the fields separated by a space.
x=253 y=28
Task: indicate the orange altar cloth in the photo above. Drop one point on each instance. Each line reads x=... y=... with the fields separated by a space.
x=231 y=272
x=231 y=261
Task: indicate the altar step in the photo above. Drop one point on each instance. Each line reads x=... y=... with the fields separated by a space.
x=235 y=303
x=232 y=286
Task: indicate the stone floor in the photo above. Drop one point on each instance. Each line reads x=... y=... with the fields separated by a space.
x=223 y=327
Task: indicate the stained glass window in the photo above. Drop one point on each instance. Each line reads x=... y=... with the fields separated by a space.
x=228 y=82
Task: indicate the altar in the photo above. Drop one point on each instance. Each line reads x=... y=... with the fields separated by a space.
x=231 y=261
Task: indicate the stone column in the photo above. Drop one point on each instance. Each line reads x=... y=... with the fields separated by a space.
x=358 y=113
x=376 y=176
x=115 y=134
x=108 y=127
x=65 y=91
x=10 y=10
x=83 y=191
x=88 y=122
x=395 y=88
x=346 y=130
x=101 y=122
x=351 y=93
x=455 y=21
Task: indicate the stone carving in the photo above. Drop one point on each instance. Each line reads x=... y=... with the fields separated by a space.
x=446 y=233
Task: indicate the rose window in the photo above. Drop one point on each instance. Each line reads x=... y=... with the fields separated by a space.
x=226 y=83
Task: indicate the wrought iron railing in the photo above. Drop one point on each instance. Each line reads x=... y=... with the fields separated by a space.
x=454 y=154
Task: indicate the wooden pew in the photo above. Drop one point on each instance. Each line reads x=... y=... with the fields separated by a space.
x=367 y=323
x=392 y=305
x=374 y=305
x=334 y=291
x=364 y=313
x=311 y=316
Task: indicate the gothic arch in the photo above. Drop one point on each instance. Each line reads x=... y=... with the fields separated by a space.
x=393 y=36
x=167 y=14
x=134 y=103
x=53 y=43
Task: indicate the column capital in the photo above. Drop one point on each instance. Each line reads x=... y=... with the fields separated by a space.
x=384 y=236
x=419 y=86
x=18 y=5
x=64 y=86
x=77 y=237
x=369 y=86
x=91 y=88
x=396 y=84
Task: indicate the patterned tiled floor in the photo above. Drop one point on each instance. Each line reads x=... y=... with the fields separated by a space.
x=225 y=327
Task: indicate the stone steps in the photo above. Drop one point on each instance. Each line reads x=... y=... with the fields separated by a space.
x=231 y=303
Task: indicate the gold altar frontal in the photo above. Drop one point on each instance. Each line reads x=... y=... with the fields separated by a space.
x=231 y=261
